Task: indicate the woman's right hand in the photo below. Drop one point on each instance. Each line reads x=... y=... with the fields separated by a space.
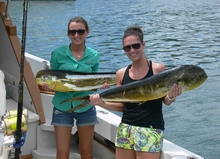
x=96 y=100
x=46 y=87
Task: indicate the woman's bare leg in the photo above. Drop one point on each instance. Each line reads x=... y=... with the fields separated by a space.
x=63 y=135
x=125 y=154
x=147 y=155
x=86 y=134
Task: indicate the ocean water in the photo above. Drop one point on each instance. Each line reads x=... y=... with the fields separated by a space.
x=176 y=33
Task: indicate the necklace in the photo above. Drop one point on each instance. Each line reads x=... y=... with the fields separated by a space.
x=74 y=54
x=77 y=56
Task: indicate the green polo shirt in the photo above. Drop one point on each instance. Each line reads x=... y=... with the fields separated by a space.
x=62 y=59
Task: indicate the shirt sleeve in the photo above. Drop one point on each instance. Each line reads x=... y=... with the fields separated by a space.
x=95 y=68
x=53 y=61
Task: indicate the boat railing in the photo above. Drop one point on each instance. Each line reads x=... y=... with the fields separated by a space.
x=6 y=15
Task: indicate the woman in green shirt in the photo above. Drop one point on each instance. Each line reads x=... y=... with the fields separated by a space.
x=75 y=57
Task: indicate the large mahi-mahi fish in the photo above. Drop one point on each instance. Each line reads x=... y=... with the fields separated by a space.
x=68 y=81
x=188 y=77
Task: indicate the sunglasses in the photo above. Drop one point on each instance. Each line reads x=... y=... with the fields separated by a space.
x=135 y=46
x=79 y=32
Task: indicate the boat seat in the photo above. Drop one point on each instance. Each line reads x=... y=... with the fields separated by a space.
x=2 y=93
x=2 y=105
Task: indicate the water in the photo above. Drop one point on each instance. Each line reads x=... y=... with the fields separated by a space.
x=176 y=33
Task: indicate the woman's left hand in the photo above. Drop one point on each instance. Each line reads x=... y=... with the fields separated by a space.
x=105 y=86
x=175 y=91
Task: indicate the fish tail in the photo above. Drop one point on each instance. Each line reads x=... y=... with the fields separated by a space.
x=85 y=98
x=83 y=104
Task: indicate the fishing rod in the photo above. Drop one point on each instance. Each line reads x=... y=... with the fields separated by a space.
x=18 y=132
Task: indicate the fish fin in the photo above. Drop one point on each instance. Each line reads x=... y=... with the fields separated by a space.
x=75 y=98
x=67 y=100
x=83 y=104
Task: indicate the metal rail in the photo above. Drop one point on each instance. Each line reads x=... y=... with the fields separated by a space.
x=6 y=15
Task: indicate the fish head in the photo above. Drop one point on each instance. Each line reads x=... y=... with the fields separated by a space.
x=45 y=78
x=191 y=77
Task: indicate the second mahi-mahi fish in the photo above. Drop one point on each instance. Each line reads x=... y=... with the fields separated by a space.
x=188 y=77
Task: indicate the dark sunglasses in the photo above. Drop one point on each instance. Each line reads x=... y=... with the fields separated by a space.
x=135 y=46
x=79 y=32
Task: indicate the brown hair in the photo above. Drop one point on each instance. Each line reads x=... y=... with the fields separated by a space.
x=78 y=20
x=134 y=30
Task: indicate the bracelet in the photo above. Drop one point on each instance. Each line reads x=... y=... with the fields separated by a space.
x=170 y=98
